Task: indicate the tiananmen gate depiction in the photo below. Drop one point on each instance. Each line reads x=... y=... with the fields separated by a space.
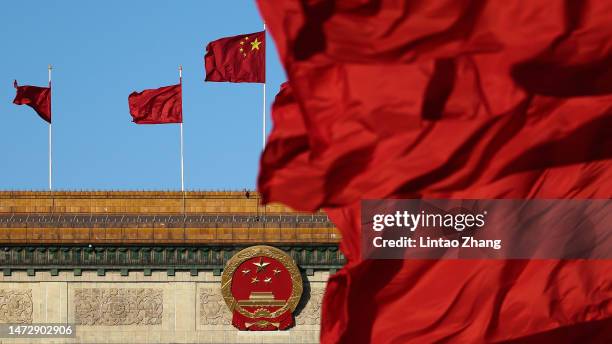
x=133 y=267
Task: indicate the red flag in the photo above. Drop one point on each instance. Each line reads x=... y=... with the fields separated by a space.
x=157 y=106
x=38 y=98
x=387 y=102
x=239 y=58
x=286 y=157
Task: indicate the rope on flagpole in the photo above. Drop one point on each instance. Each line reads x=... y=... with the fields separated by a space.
x=50 y=140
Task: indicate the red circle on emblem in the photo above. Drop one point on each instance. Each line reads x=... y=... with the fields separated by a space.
x=261 y=278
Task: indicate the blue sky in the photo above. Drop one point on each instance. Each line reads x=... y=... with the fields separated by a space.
x=101 y=51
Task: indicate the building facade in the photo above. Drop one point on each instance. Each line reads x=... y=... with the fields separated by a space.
x=146 y=267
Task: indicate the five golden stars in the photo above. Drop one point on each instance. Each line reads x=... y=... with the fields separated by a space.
x=254 y=45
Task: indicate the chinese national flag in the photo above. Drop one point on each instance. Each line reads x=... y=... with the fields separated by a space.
x=38 y=98
x=157 y=106
x=446 y=99
x=239 y=58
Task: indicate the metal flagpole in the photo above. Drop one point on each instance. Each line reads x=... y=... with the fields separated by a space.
x=264 y=99
x=50 y=156
x=263 y=119
x=182 y=171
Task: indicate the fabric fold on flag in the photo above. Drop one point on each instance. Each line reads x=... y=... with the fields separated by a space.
x=157 y=106
x=239 y=58
x=385 y=102
x=38 y=98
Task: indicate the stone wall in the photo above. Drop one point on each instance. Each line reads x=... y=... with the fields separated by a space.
x=143 y=309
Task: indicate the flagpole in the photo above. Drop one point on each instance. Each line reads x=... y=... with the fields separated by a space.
x=50 y=132
x=264 y=99
x=182 y=169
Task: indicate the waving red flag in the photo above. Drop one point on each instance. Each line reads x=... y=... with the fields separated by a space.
x=445 y=99
x=157 y=106
x=239 y=58
x=38 y=98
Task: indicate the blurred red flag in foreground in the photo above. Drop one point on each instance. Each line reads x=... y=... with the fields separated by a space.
x=446 y=99
x=239 y=58
x=157 y=106
x=38 y=98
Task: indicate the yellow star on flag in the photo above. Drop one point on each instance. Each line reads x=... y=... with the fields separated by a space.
x=255 y=44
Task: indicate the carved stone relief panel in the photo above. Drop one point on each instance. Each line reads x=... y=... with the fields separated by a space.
x=16 y=306
x=311 y=313
x=213 y=310
x=118 y=306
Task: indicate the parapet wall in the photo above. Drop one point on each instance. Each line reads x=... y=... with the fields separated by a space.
x=151 y=217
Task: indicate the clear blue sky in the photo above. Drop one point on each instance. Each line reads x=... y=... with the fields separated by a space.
x=101 y=51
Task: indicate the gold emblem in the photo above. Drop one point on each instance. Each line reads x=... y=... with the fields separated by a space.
x=261 y=298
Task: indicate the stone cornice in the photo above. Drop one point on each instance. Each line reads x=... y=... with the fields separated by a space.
x=170 y=258
x=39 y=220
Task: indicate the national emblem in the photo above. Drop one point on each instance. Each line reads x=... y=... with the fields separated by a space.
x=266 y=306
